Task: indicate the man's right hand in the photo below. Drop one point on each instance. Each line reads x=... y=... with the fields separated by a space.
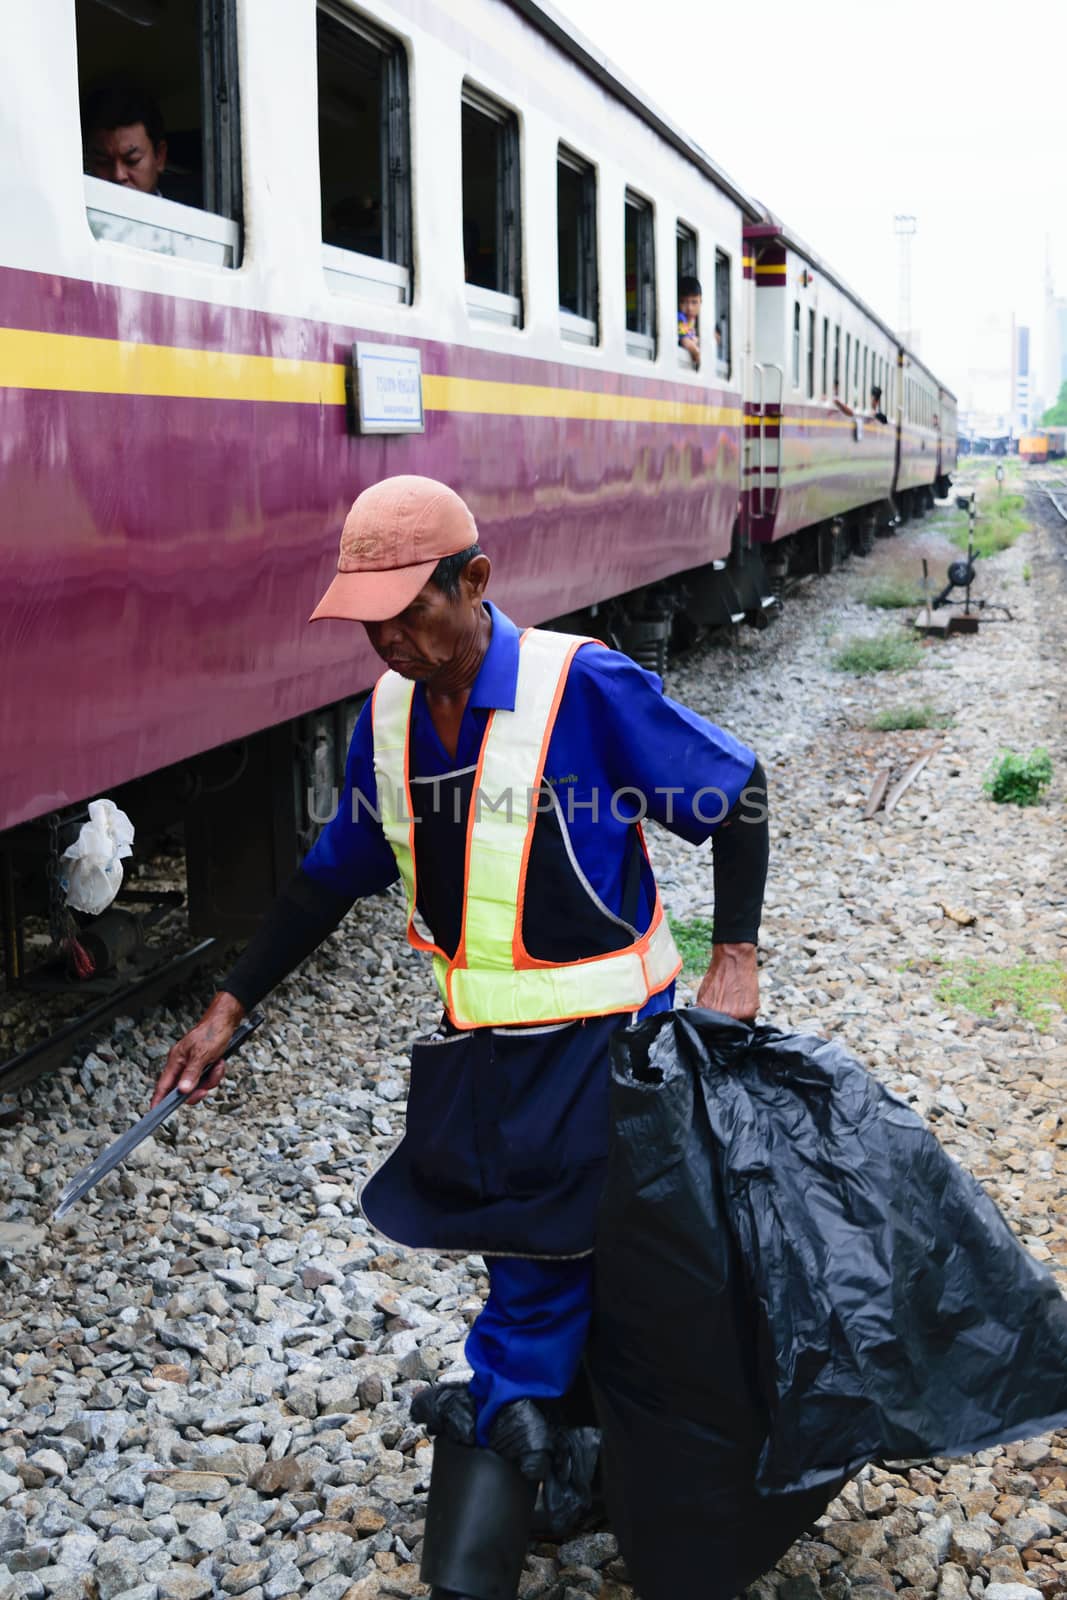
x=201 y=1046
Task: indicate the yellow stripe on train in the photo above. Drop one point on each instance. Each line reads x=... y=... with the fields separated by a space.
x=78 y=364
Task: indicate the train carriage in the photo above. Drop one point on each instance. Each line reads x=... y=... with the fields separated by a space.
x=817 y=458
x=199 y=376
x=178 y=376
x=919 y=428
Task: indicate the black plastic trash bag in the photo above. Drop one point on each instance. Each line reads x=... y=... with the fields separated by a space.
x=793 y=1278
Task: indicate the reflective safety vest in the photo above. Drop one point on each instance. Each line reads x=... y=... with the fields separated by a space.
x=492 y=980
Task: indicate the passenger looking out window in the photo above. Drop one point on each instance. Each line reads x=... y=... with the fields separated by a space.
x=876 y=405
x=690 y=299
x=159 y=94
x=123 y=136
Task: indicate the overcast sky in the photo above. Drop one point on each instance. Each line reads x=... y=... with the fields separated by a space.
x=838 y=115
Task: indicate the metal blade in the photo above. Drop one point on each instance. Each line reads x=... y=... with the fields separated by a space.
x=116 y=1153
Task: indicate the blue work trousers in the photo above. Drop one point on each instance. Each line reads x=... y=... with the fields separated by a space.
x=527 y=1342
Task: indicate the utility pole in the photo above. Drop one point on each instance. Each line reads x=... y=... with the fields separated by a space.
x=904 y=227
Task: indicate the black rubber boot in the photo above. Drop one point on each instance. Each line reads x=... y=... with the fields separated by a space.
x=477 y=1524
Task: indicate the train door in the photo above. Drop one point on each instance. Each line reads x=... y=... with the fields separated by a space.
x=767 y=382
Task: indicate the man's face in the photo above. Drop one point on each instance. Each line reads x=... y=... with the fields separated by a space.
x=689 y=306
x=127 y=156
x=433 y=631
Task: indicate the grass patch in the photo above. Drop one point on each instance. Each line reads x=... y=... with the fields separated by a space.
x=899 y=718
x=1001 y=520
x=693 y=938
x=1019 y=780
x=892 y=594
x=1029 y=989
x=888 y=652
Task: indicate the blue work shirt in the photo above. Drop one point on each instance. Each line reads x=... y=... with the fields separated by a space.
x=620 y=749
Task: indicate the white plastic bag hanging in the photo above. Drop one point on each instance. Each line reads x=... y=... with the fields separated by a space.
x=95 y=873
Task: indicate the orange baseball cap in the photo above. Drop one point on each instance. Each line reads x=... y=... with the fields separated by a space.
x=394 y=536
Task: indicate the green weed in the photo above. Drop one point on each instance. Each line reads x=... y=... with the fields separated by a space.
x=892 y=594
x=693 y=938
x=1027 y=572
x=1001 y=520
x=1030 y=989
x=888 y=652
x=1019 y=780
x=902 y=717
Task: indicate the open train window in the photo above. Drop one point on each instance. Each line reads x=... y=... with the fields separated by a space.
x=640 y=256
x=492 y=260
x=160 y=125
x=364 y=161
x=576 y=248
x=811 y=352
x=856 y=373
x=796 y=344
x=825 y=353
x=722 y=312
x=686 y=265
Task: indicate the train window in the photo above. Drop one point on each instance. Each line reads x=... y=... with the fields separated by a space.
x=492 y=259
x=866 y=393
x=837 y=359
x=160 y=126
x=723 y=340
x=856 y=373
x=811 y=352
x=848 y=363
x=686 y=265
x=796 y=344
x=364 y=164
x=576 y=248
x=825 y=353
x=640 y=255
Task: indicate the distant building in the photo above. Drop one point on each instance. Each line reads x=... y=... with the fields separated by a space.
x=988 y=396
x=1054 y=369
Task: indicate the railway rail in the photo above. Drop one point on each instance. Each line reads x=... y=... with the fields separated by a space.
x=1054 y=487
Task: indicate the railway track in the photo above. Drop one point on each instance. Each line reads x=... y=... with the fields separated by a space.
x=1054 y=487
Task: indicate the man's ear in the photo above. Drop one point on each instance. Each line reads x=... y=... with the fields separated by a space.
x=475 y=577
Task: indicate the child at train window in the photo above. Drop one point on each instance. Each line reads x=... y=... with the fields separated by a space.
x=690 y=298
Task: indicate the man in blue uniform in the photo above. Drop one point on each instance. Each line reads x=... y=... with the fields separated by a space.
x=502 y=776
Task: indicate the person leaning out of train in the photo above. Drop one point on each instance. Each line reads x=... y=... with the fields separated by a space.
x=690 y=299
x=123 y=136
x=842 y=405
x=497 y=773
x=876 y=404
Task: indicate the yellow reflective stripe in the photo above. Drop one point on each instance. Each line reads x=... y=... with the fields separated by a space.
x=616 y=983
x=501 y=804
x=391 y=714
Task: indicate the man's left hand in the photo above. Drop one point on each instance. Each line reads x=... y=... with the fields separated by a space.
x=731 y=983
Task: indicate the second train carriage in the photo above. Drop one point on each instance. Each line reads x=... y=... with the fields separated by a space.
x=178 y=381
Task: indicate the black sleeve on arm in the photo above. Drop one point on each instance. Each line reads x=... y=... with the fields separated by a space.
x=740 y=849
x=303 y=915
